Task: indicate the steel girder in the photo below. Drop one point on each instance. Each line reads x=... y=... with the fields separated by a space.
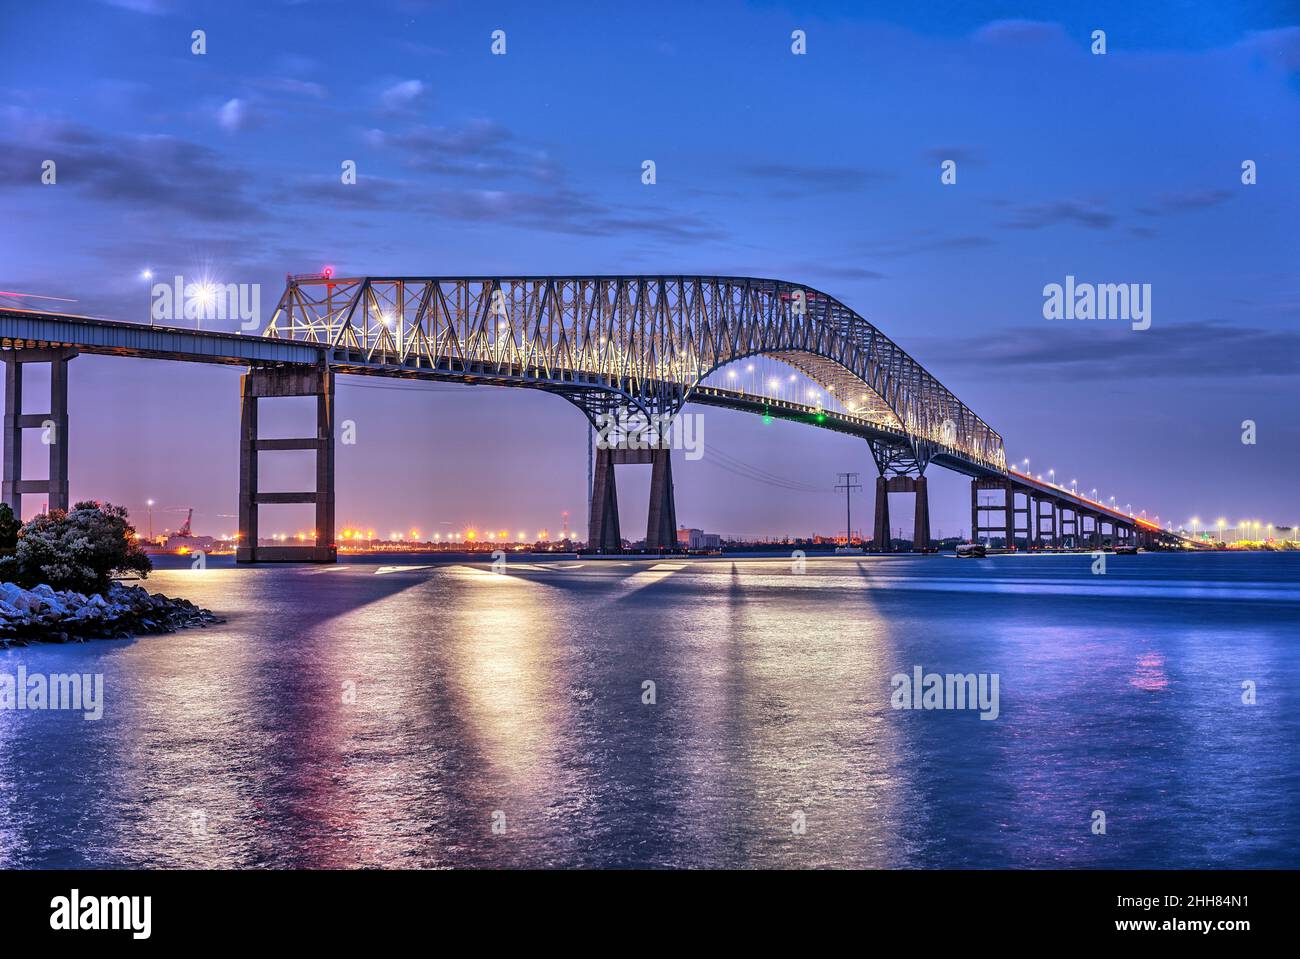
x=651 y=339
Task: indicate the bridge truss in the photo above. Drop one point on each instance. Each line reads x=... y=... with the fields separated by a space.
x=645 y=341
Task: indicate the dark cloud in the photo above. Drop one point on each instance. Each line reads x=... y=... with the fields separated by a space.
x=1035 y=216
x=1187 y=200
x=794 y=180
x=924 y=243
x=555 y=211
x=479 y=148
x=146 y=173
x=1105 y=351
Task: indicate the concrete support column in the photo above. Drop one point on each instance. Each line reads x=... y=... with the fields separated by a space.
x=53 y=426
x=13 y=440
x=661 y=524
x=1009 y=499
x=881 y=533
x=921 y=526
x=257 y=385
x=325 y=466
x=58 y=435
x=602 y=525
x=246 y=547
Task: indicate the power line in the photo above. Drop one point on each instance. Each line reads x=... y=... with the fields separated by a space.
x=848 y=482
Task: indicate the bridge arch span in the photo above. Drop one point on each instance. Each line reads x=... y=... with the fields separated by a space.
x=654 y=338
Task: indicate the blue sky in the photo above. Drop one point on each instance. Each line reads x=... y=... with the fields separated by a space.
x=822 y=169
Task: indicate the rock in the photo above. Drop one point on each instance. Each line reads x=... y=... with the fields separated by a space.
x=47 y=615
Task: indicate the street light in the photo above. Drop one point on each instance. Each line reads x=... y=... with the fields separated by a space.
x=147 y=275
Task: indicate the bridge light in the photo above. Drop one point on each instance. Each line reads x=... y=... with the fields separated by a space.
x=821 y=417
x=767 y=417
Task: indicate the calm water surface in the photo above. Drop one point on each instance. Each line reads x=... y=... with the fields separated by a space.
x=522 y=693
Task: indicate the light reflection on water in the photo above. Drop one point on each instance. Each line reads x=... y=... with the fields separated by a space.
x=478 y=693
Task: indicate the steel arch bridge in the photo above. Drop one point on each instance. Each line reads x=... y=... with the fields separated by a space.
x=601 y=342
x=643 y=341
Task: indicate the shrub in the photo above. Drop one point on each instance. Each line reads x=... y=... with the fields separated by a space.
x=9 y=527
x=79 y=550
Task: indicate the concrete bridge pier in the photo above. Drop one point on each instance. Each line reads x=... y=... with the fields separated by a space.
x=1072 y=521
x=880 y=537
x=53 y=424
x=261 y=384
x=918 y=486
x=1004 y=525
x=661 y=524
x=603 y=533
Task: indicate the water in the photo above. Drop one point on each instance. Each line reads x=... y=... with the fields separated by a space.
x=521 y=694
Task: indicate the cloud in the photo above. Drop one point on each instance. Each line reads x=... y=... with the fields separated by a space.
x=146 y=174
x=1188 y=200
x=794 y=180
x=1019 y=32
x=292 y=86
x=555 y=211
x=477 y=148
x=234 y=115
x=404 y=95
x=1199 y=349
x=925 y=242
x=1039 y=215
x=154 y=7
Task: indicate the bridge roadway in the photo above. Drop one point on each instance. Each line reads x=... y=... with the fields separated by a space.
x=288 y=367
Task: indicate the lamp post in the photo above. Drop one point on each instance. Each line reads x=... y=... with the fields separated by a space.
x=147 y=276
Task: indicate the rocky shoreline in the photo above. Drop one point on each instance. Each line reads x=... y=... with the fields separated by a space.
x=45 y=615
